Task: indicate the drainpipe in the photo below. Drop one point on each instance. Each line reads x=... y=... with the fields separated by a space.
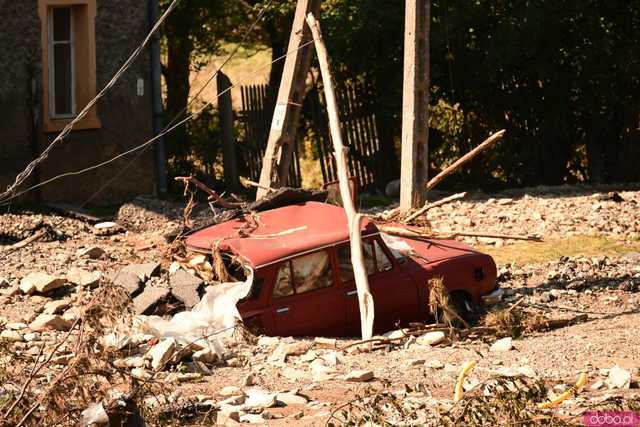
x=156 y=94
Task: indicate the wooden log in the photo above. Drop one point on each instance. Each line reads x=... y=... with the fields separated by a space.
x=531 y=238
x=213 y=196
x=464 y=159
x=354 y=219
x=440 y=202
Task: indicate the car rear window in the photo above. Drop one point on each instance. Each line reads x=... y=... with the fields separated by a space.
x=303 y=274
x=375 y=259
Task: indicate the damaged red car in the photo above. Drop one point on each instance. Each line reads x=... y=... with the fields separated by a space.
x=304 y=283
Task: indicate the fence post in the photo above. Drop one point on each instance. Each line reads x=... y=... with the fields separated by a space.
x=225 y=110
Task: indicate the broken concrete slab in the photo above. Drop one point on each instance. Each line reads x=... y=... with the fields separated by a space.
x=40 y=282
x=501 y=345
x=149 y=298
x=184 y=287
x=291 y=398
x=161 y=353
x=49 y=321
x=143 y=271
x=259 y=399
x=80 y=277
x=619 y=378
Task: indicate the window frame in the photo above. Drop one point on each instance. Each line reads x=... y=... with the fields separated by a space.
x=52 y=61
x=84 y=63
x=373 y=240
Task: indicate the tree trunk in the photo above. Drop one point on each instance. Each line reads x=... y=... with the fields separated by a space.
x=278 y=40
x=177 y=79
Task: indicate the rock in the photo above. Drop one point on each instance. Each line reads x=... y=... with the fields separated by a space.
x=503 y=344
x=161 y=353
x=320 y=372
x=134 y=362
x=12 y=291
x=206 y=355
x=284 y=350
x=80 y=277
x=129 y=281
x=31 y=336
x=259 y=399
x=40 y=282
x=184 y=287
x=4 y=283
x=56 y=306
x=94 y=415
x=230 y=390
x=619 y=378
x=434 y=364
x=16 y=326
x=251 y=419
x=359 y=376
x=140 y=374
x=143 y=271
x=92 y=252
x=12 y=336
x=149 y=298
x=248 y=380
x=228 y=415
x=291 y=399
x=597 y=385
x=268 y=341
x=547 y=297
x=431 y=338
x=396 y=334
x=49 y=321
x=416 y=362
x=105 y=225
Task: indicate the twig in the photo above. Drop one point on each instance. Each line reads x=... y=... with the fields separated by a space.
x=531 y=238
x=464 y=159
x=212 y=194
x=248 y=182
x=428 y=206
x=21 y=244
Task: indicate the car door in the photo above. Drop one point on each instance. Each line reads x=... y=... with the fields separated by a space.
x=305 y=300
x=395 y=295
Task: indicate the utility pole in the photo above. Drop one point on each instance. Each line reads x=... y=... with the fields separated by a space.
x=225 y=109
x=415 y=100
x=277 y=156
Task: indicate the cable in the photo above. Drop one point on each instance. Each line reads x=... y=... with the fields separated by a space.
x=67 y=129
x=160 y=135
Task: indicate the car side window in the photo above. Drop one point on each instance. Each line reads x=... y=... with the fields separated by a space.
x=310 y=272
x=283 y=286
x=382 y=260
x=370 y=250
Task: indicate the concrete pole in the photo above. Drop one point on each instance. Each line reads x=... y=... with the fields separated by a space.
x=280 y=145
x=415 y=100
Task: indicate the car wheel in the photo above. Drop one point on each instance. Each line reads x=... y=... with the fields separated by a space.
x=465 y=306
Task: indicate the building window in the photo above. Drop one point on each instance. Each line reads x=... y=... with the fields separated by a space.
x=61 y=66
x=69 y=64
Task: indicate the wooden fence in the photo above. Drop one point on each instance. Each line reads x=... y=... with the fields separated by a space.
x=358 y=124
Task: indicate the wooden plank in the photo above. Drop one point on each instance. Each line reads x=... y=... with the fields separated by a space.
x=415 y=100
x=275 y=165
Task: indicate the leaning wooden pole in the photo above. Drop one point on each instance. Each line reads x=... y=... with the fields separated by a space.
x=354 y=219
x=282 y=135
x=464 y=159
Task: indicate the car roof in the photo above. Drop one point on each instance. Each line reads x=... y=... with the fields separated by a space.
x=266 y=237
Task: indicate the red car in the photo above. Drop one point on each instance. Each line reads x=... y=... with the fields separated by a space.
x=304 y=282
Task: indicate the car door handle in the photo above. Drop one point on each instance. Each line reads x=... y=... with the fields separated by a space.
x=283 y=310
x=352 y=293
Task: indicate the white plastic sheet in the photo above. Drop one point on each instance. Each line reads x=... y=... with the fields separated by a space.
x=209 y=323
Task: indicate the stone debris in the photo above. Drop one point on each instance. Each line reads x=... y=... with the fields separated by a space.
x=618 y=378
x=91 y=252
x=143 y=271
x=4 y=283
x=40 y=282
x=56 y=306
x=49 y=321
x=161 y=353
x=80 y=277
x=359 y=376
x=184 y=287
x=259 y=399
x=503 y=344
x=230 y=391
x=284 y=350
x=291 y=398
x=11 y=335
x=431 y=338
x=129 y=281
x=149 y=298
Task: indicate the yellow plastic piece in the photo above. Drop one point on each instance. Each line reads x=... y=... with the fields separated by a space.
x=582 y=380
x=466 y=368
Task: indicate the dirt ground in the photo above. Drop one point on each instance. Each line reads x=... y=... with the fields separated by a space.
x=600 y=281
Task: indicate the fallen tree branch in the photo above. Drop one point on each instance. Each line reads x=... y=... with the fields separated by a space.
x=213 y=196
x=440 y=202
x=21 y=244
x=249 y=183
x=531 y=238
x=464 y=159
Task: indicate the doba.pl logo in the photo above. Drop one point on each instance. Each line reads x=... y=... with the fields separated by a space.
x=611 y=419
